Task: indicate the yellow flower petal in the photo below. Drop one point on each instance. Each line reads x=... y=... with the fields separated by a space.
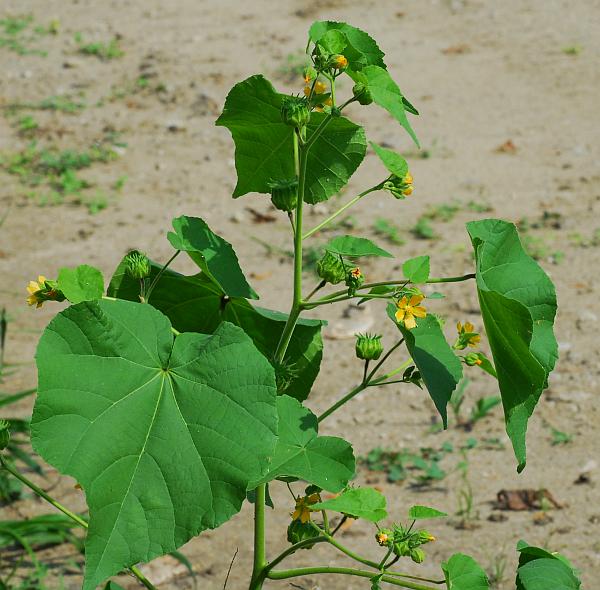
x=33 y=287
x=408 y=191
x=400 y=315
x=409 y=322
x=403 y=302
x=469 y=327
x=415 y=300
x=459 y=327
x=419 y=311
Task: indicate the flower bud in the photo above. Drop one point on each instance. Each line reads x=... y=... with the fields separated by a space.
x=417 y=555
x=284 y=194
x=354 y=279
x=4 y=434
x=472 y=359
x=384 y=537
x=339 y=62
x=425 y=537
x=368 y=346
x=399 y=187
x=294 y=111
x=362 y=94
x=309 y=74
x=331 y=268
x=137 y=265
x=402 y=548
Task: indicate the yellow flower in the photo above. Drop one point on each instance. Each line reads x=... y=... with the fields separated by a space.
x=382 y=538
x=356 y=273
x=409 y=309
x=320 y=88
x=328 y=102
x=463 y=332
x=303 y=510
x=408 y=181
x=341 y=62
x=34 y=289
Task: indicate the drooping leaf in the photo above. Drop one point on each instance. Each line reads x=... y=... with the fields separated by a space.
x=386 y=94
x=365 y=503
x=163 y=432
x=416 y=270
x=354 y=247
x=196 y=304
x=394 y=162
x=264 y=146
x=546 y=573
x=423 y=512
x=440 y=368
x=82 y=283
x=214 y=255
x=464 y=573
x=518 y=305
x=325 y=461
x=361 y=49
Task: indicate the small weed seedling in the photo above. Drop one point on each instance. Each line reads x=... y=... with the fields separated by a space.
x=211 y=389
x=18 y=34
x=389 y=231
x=103 y=51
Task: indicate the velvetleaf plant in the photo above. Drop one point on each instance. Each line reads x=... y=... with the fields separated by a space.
x=173 y=399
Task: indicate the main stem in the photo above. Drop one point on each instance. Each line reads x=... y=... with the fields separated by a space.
x=259 y=571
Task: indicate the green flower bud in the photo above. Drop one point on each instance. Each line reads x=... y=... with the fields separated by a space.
x=472 y=359
x=368 y=346
x=137 y=265
x=354 y=279
x=294 y=111
x=4 y=434
x=402 y=548
x=300 y=531
x=362 y=94
x=417 y=555
x=284 y=194
x=384 y=537
x=424 y=536
x=331 y=268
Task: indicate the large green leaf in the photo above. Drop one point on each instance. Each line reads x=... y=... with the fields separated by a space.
x=326 y=461
x=264 y=147
x=163 y=432
x=518 y=305
x=355 y=247
x=386 y=94
x=82 y=283
x=464 y=573
x=214 y=255
x=196 y=304
x=361 y=49
x=365 y=503
x=440 y=368
x=539 y=576
x=546 y=574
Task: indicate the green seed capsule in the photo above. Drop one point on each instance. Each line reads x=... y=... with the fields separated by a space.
x=368 y=346
x=138 y=265
x=362 y=94
x=284 y=194
x=331 y=268
x=294 y=111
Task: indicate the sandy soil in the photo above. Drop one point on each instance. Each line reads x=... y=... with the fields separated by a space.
x=482 y=74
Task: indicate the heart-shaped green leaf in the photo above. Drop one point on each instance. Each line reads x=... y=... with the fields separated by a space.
x=179 y=298
x=416 y=270
x=325 y=461
x=518 y=305
x=464 y=573
x=214 y=255
x=365 y=503
x=440 y=368
x=264 y=146
x=83 y=283
x=163 y=432
x=546 y=573
x=354 y=247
